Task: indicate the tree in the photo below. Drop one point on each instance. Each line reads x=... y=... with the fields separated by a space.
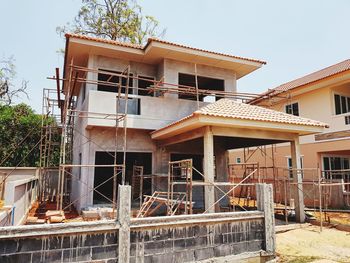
x=8 y=91
x=20 y=136
x=120 y=20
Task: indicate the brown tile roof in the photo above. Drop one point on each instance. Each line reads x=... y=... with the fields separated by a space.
x=310 y=78
x=150 y=40
x=203 y=50
x=102 y=40
x=235 y=110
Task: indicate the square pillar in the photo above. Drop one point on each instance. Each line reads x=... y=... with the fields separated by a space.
x=297 y=189
x=264 y=194
x=208 y=165
x=123 y=218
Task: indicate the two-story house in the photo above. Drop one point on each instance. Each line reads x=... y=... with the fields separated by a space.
x=323 y=95
x=181 y=104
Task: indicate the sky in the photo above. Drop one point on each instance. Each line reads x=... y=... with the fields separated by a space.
x=294 y=37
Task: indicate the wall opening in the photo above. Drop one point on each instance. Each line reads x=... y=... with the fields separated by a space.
x=104 y=173
x=144 y=84
x=204 y=83
x=113 y=79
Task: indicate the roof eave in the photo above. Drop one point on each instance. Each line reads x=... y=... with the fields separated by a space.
x=196 y=121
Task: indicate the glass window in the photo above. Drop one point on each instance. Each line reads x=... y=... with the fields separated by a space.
x=342 y=104
x=293 y=109
x=331 y=165
x=290 y=166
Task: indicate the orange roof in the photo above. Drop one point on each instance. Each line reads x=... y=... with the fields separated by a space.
x=235 y=110
x=310 y=78
x=150 y=40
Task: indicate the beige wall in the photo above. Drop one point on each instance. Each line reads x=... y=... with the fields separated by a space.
x=318 y=105
x=311 y=153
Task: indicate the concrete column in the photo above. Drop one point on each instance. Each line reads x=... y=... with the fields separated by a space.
x=208 y=165
x=264 y=193
x=297 y=189
x=124 y=212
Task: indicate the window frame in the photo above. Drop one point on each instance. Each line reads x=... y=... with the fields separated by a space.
x=289 y=158
x=341 y=109
x=291 y=108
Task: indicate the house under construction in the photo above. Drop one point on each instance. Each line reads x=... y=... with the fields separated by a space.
x=146 y=130
x=136 y=115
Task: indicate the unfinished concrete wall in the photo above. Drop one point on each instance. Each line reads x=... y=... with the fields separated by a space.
x=196 y=238
x=183 y=238
x=172 y=68
x=171 y=239
x=75 y=242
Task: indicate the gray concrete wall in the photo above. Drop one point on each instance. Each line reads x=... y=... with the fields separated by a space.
x=156 y=112
x=75 y=242
x=172 y=68
x=161 y=239
x=196 y=239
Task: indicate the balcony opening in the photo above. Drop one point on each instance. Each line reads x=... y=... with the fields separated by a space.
x=204 y=83
x=106 y=82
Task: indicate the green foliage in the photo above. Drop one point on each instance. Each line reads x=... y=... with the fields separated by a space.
x=121 y=20
x=19 y=123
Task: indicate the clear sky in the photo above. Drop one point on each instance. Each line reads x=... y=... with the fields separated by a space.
x=294 y=37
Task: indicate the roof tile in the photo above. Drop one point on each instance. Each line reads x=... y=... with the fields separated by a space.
x=235 y=110
x=315 y=76
x=124 y=44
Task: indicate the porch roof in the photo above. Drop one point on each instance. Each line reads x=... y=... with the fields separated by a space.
x=230 y=114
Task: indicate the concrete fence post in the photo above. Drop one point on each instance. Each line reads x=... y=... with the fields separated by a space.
x=264 y=193
x=124 y=212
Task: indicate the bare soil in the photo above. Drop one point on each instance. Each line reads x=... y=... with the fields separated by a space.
x=310 y=245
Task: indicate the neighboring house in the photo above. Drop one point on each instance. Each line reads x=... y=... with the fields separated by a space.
x=325 y=96
x=163 y=125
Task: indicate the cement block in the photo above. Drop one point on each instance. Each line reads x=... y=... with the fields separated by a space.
x=104 y=252
x=255 y=245
x=238 y=248
x=76 y=254
x=47 y=256
x=161 y=258
x=100 y=239
x=32 y=244
x=204 y=253
x=15 y=258
x=222 y=250
x=179 y=244
x=183 y=256
x=8 y=246
x=153 y=247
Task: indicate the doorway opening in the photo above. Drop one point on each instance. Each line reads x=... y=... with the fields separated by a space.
x=104 y=173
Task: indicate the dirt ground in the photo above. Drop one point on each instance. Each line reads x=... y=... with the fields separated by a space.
x=309 y=245
x=333 y=218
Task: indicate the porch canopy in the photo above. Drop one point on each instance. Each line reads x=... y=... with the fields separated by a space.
x=236 y=125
